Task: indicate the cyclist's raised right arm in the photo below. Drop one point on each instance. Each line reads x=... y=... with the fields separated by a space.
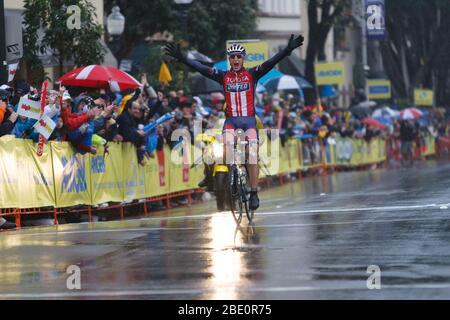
x=209 y=72
x=174 y=51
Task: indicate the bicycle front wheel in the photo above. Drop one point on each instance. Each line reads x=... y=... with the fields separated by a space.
x=234 y=194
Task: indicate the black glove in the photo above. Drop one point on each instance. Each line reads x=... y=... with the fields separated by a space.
x=295 y=43
x=174 y=51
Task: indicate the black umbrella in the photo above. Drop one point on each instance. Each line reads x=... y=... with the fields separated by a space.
x=202 y=85
x=361 y=112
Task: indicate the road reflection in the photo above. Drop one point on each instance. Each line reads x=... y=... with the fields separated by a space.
x=230 y=262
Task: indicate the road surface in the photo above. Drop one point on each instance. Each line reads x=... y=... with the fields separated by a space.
x=316 y=238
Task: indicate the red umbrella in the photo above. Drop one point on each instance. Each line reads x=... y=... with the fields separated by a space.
x=410 y=113
x=373 y=123
x=96 y=76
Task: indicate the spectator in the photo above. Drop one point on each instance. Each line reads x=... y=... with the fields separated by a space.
x=128 y=127
x=407 y=136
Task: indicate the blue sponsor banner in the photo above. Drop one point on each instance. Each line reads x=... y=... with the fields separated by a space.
x=375 y=20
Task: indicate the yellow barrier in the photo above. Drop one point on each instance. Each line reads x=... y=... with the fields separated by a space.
x=25 y=179
x=63 y=178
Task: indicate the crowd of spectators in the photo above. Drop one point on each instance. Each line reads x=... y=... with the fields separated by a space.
x=88 y=119
x=91 y=118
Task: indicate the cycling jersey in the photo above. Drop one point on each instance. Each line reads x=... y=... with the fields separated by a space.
x=239 y=87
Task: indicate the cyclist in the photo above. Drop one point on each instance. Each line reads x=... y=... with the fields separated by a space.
x=239 y=85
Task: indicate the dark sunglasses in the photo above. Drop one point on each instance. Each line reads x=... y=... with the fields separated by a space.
x=239 y=56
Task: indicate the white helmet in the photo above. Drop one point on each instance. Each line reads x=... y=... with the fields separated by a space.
x=236 y=49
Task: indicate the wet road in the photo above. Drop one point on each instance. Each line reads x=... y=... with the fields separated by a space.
x=312 y=239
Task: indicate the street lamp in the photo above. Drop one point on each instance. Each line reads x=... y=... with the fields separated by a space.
x=184 y=6
x=115 y=22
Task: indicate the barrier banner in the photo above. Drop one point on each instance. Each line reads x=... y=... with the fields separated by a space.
x=343 y=151
x=312 y=152
x=133 y=173
x=26 y=181
x=430 y=144
x=39 y=171
x=293 y=148
x=179 y=170
x=72 y=175
x=284 y=159
x=107 y=175
x=266 y=158
x=197 y=173
x=156 y=173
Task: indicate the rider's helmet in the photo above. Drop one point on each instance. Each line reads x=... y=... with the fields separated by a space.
x=236 y=49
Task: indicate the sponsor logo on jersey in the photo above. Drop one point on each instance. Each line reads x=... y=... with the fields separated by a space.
x=238 y=79
x=238 y=87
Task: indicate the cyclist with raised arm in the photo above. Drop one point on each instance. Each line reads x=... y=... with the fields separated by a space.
x=239 y=85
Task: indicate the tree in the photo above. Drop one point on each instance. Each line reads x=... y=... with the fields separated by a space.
x=329 y=12
x=213 y=22
x=78 y=45
x=417 y=50
x=210 y=22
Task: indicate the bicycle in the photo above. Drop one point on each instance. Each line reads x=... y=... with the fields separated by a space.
x=238 y=185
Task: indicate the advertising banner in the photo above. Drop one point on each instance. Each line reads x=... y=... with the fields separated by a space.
x=375 y=20
x=107 y=175
x=156 y=172
x=72 y=175
x=133 y=173
x=423 y=97
x=379 y=89
x=25 y=181
x=256 y=51
x=330 y=73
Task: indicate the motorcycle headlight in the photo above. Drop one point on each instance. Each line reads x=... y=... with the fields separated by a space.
x=218 y=150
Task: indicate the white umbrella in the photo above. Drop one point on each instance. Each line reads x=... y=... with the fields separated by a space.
x=385 y=112
x=286 y=83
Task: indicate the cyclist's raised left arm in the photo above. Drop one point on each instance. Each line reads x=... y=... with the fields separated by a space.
x=262 y=69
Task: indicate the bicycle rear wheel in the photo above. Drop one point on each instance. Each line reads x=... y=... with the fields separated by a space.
x=234 y=194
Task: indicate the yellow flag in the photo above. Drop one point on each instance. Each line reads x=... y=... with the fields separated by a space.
x=164 y=74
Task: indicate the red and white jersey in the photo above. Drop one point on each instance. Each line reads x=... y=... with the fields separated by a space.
x=239 y=91
x=239 y=87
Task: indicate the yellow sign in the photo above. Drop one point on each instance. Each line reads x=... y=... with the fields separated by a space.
x=256 y=51
x=133 y=173
x=378 y=89
x=423 y=97
x=107 y=175
x=330 y=73
x=26 y=181
x=72 y=175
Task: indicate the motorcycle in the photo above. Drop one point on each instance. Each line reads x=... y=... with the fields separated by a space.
x=213 y=153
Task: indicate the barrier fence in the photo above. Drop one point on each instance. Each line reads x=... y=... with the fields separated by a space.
x=62 y=178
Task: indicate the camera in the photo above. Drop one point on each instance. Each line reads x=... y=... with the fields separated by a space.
x=4 y=95
x=89 y=102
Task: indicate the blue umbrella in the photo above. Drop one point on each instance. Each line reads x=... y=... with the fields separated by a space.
x=387 y=121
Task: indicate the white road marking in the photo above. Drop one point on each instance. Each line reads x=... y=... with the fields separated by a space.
x=196 y=291
x=207 y=216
